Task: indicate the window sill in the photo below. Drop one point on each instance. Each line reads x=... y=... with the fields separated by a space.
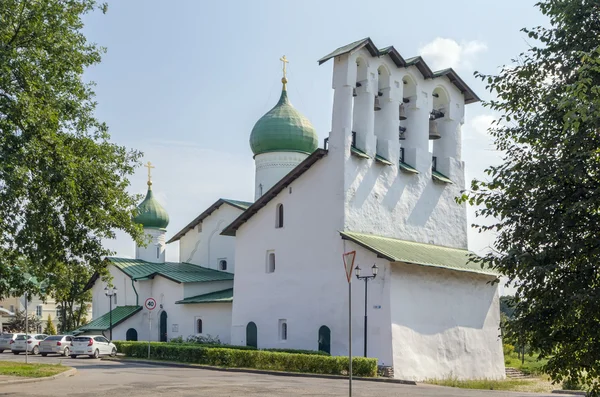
x=439 y=177
x=358 y=153
x=407 y=168
x=382 y=160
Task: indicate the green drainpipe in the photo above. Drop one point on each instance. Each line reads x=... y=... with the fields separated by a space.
x=137 y=297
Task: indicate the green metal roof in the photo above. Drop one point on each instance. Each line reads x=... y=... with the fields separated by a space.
x=150 y=213
x=396 y=250
x=102 y=323
x=219 y=296
x=283 y=129
x=382 y=160
x=242 y=205
x=407 y=168
x=183 y=272
x=359 y=153
x=438 y=176
x=418 y=62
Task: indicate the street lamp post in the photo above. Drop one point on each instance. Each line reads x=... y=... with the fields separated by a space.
x=374 y=270
x=110 y=292
x=26 y=326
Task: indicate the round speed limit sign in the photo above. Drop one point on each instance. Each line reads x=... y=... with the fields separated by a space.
x=150 y=304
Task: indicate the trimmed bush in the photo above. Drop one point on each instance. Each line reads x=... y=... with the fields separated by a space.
x=298 y=351
x=247 y=358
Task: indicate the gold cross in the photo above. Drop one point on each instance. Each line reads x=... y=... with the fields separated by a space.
x=149 y=166
x=284 y=60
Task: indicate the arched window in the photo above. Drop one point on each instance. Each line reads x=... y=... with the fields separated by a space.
x=131 y=334
x=325 y=339
x=279 y=216
x=270 y=262
x=223 y=264
x=199 y=326
x=251 y=334
x=283 y=329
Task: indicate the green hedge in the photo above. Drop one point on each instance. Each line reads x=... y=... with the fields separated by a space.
x=258 y=359
x=207 y=345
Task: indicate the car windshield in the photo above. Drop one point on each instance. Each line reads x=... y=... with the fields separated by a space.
x=81 y=339
x=55 y=337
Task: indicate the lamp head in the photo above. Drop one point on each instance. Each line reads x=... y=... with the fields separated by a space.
x=374 y=269
x=357 y=271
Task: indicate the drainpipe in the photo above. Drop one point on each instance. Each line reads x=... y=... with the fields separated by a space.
x=137 y=297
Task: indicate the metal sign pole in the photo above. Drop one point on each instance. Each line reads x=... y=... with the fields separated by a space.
x=149 y=331
x=350 y=336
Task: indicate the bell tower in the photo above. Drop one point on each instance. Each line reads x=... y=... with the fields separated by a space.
x=154 y=218
x=280 y=140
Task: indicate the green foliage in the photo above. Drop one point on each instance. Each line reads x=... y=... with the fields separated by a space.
x=62 y=182
x=247 y=358
x=17 y=323
x=543 y=200
x=484 y=384
x=31 y=370
x=530 y=364
x=50 y=329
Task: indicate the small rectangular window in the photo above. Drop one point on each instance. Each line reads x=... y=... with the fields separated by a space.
x=222 y=264
x=158 y=252
x=38 y=310
x=270 y=261
x=12 y=308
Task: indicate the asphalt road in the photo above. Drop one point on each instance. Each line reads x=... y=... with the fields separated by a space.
x=118 y=379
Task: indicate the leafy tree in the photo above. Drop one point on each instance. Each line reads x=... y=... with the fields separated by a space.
x=545 y=197
x=72 y=294
x=62 y=182
x=17 y=323
x=50 y=329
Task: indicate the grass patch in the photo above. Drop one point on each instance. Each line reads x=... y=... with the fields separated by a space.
x=534 y=385
x=530 y=365
x=30 y=370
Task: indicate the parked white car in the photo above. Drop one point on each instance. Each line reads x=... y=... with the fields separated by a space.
x=56 y=344
x=6 y=341
x=29 y=343
x=93 y=346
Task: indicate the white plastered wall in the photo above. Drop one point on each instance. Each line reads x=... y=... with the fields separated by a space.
x=155 y=250
x=207 y=247
x=444 y=324
x=381 y=199
x=271 y=167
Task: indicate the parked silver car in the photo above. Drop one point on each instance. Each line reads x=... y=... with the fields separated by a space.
x=29 y=343
x=56 y=344
x=6 y=341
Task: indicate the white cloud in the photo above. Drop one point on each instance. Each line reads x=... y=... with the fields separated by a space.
x=444 y=53
x=480 y=124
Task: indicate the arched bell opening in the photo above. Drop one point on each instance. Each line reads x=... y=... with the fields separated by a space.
x=438 y=134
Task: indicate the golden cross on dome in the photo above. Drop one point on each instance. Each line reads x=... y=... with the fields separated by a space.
x=149 y=166
x=285 y=61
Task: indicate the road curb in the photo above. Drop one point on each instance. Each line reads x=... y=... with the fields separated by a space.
x=259 y=371
x=66 y=374
x=570 y=392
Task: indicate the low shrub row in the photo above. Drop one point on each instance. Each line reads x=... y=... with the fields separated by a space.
x=257 y=359
x=221 y=346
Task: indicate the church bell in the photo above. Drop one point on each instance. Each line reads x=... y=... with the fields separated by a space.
x=402 y=112
x=377 y=105
x=433 y=131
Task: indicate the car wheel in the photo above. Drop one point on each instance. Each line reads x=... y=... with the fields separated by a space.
x=96 y=354
x=44 y=354
x=35 y=350
x=1 y=351
x=66 y=352
x=113 y=352
x=15 y=353
x=73 y=356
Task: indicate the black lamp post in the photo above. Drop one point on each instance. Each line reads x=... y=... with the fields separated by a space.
x=110 y=292
x=374 y=270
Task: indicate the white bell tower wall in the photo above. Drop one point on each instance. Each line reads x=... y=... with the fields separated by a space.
x=385 y=199
x=155 y=250
x=271 y=167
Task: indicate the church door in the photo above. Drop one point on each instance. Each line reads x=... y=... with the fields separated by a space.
x=163 y=327
x=131 y=334
x=251 y=335
x=325 y=339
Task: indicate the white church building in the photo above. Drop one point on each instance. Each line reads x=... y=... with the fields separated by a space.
x=382 y=184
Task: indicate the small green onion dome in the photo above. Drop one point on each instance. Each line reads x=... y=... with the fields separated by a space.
x=150 y=213
x=283 y=129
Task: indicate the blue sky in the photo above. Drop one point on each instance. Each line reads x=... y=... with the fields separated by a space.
x=185 y=81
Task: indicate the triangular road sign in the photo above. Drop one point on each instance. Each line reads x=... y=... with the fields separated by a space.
x=349 y=263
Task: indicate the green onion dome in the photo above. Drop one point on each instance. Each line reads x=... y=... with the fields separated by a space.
x=150 y=213
x=283 y=129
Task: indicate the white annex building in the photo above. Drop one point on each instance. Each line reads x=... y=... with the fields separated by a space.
x=382 y=184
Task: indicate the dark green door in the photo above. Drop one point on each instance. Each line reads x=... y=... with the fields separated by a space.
x=163 y=326
x=325 y=339
x=251 y=335
x=131 y=334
